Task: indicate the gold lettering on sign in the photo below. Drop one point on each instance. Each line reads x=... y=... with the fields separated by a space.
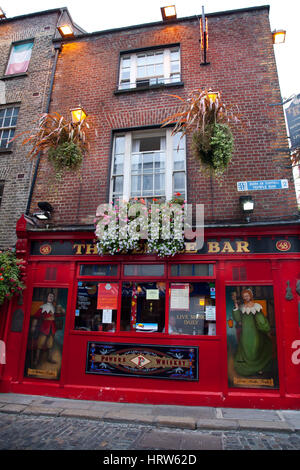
x=78 y=247
x=213 y=247
x=242 y=246
x=91 y=249
x=227 y=248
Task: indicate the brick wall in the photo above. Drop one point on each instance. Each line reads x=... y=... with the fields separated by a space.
x=242 y=66
x=30 y=93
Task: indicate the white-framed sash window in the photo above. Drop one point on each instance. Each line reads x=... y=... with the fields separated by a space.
x=148 y=68
x=149 y=165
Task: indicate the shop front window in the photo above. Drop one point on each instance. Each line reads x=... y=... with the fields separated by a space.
x=96 y=308
x=143 y=306
x=192 y=309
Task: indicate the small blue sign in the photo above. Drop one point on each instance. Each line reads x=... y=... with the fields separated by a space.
x=262 y=185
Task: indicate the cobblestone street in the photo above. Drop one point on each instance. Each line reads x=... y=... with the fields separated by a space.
x=21 y=432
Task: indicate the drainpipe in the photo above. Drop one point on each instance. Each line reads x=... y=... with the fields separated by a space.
x=57 y=48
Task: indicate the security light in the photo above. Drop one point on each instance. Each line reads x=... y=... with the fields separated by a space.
x=168 y=13
x=46 y=210
x=247 y=206
x=66 y=30
x=279 y=36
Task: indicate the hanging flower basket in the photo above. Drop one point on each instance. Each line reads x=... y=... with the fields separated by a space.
x=64 y=142
x=208 y=118
x=10 y=275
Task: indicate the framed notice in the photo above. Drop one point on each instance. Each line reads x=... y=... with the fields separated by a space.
x=107 y=296
x=180 y=297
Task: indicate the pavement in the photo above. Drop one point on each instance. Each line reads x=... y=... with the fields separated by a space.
x=163 y=416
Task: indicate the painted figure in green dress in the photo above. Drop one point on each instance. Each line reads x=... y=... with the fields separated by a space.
x=255 y=350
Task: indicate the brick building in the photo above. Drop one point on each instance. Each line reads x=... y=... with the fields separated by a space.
x=24 y=94
x=208 y=326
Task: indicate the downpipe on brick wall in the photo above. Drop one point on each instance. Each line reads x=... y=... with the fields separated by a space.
x=57 y=48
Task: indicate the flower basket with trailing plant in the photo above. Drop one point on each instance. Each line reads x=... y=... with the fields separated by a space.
x=114 y=235
x=207 y=117
x=10 y=275
x=64 y=142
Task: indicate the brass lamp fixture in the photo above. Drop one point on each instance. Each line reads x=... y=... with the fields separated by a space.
x=78 y=114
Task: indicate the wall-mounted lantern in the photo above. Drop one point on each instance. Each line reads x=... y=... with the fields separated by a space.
x=78 y=114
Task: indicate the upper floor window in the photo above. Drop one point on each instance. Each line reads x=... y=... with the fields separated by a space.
x=148 y=164
x=150 y=68
x=19 y=58
x=8 y=121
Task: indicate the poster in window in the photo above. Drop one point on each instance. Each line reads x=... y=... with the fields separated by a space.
x=180 y=297
x=46 y=333
x=251 y=337
x=107 y=296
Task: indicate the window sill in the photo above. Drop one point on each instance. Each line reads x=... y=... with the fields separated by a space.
x=160 y=86
x=15 y=75
x=4 y=150
x=135 y=335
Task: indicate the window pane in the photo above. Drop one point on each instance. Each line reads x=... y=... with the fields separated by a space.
x=179 y=181
x=135 y=185
x=148 y=163
x=159 y=161
x=147 y=184
x=175 y=54
x=141 y=72
x=141 y=60
x=149 y=143
x=98 y=270
x=158 y=59
x=192 y=308
x=118 y=185
x=159 y=183
x=192 y=269
x=118 y=165
x=119 y=144
x=136 y=163
x=143 y=306
x=144 y=269
x=89 y=314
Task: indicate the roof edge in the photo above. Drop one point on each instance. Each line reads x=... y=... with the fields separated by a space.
x=160 y=23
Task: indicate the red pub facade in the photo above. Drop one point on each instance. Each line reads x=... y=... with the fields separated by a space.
x=217 y=325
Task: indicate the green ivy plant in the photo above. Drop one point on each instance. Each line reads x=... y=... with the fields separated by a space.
x=10 y=275
x=214 y=147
